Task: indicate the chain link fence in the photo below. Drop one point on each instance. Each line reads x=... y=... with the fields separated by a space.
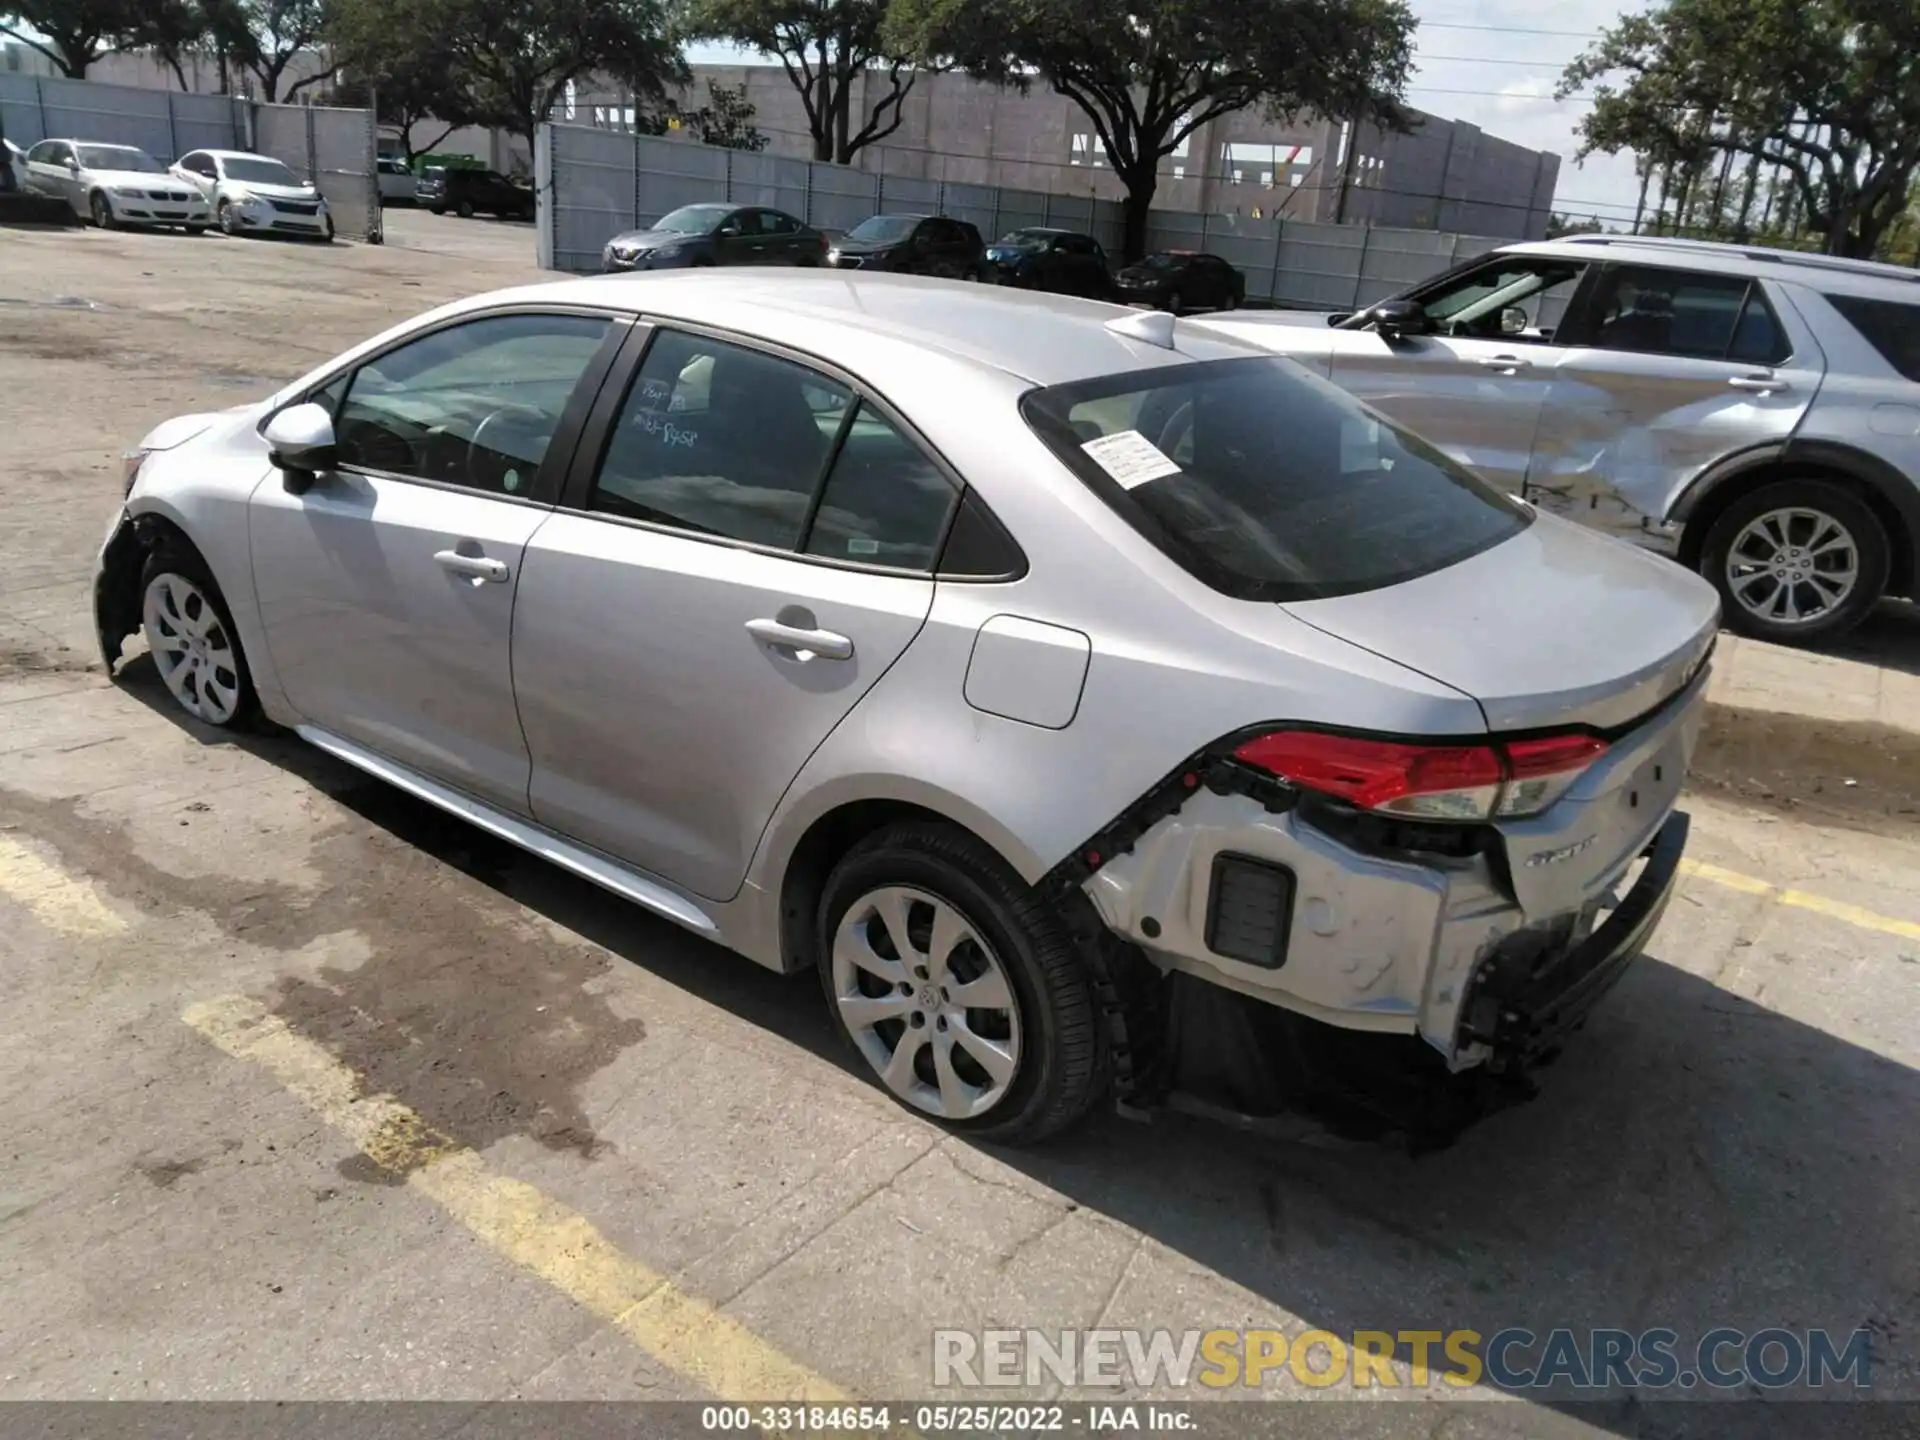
x=333 y=148
x=595 y=183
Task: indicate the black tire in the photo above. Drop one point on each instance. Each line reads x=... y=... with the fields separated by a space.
x=225 y=216
x=1822 y=497
x=436 y=209
x=1062 y=1069
x=1176 y=302
x=464 y=209
x=172 y=556
x=195 y=229
x=100 y=211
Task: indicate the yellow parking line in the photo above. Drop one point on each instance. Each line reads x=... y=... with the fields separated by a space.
x=540 y=1235
x=1801 y=900
x=58 y=901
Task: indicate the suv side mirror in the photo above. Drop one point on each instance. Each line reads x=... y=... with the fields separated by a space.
x=1394 y=319
x=300 y=443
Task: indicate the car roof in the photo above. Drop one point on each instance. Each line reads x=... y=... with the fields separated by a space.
x=1758 y=261
x=1040 y=338
x=233 y=154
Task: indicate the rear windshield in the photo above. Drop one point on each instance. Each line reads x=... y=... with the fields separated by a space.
x=1267 y=483
x=1890 y=327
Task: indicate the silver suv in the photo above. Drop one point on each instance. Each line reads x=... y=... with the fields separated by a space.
x=1755 y=413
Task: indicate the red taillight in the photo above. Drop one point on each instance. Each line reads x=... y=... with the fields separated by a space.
x=1436 y=782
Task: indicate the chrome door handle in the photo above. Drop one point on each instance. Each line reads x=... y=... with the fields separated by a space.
x=476 y=567
x=1761 y=384
x=807 y=643
x=1503 y=362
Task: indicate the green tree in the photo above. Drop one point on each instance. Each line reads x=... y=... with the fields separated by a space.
x=266 y=38
x=1148 y=73
x=826 y=47
x=393 y=58
x=73 y=34
x=1827 y=91
x=513 y=59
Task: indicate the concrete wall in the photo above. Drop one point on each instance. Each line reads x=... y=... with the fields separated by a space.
x=1446 y=175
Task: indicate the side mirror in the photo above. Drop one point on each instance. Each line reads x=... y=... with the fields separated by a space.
x=300 y=443
x=1513 y=320
x=728 y=232
x=73 y=167
x=1396 y=318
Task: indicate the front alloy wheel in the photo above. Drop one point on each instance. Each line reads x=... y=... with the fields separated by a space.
x=102 y=211
x=192 y=649
x=926 y=1001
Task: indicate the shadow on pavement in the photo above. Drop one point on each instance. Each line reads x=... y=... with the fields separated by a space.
x=1694 y=1160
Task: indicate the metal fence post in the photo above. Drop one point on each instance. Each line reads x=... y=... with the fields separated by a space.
x=173 y=134
x=376 y=217
x=634 y=141
x=313 y=157
x=1360 y=265
x=1046 y=207
x=40 y=101
x=1279 y=242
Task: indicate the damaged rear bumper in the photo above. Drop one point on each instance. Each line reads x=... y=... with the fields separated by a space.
x=1522 y=1012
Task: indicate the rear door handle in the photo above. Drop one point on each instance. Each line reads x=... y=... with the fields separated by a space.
x=1761 y=384
x=1508 y=363
x=806 y=643
x=476 y=567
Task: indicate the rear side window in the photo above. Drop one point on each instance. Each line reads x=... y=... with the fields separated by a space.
x=1890 y=327
x=721 y=440
x=1686 y=313
x=1268 y=484
x=885 y=502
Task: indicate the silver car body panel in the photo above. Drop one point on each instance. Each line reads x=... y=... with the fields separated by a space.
x=1624 y=441
x=672 y=755
x=379 y=640
x=1623 y=434
x=1544 y=631
x=669 y=740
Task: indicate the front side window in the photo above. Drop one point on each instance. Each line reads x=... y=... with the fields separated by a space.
x=472 y=405
x=778 y=222
x=722 y=441
x=1889 y=326
x=1685 y=313
x=1477 y=303
x=1268 y=484
x=47 y=152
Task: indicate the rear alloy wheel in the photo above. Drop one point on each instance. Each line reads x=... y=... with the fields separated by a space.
x=1797 y=561
x=960 y=989
x=192 y=640
x=102 y=211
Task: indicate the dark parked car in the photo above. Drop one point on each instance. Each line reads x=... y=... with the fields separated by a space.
x=913 y=245
x=471 y=192
x=716 y=234
x=1066 y=262
x=1180 y=280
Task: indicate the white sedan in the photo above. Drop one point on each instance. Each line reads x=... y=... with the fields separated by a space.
x=113 y=185
x=256 y=194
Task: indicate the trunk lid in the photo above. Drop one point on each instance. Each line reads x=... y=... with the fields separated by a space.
x=1555 y=627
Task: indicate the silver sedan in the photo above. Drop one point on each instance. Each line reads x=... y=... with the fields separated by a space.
x=1092 y=702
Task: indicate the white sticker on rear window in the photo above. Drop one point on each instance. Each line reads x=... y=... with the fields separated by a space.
x=1129 y=457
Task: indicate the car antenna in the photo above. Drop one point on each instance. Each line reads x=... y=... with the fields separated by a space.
x=1153 y=326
